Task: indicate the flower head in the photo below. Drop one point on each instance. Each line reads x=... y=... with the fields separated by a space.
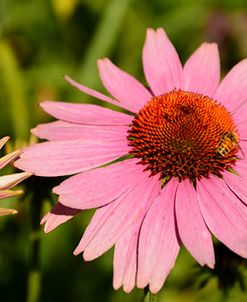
x=9 y=181
x=184 y=178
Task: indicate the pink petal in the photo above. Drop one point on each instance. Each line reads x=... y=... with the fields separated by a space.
x=9 y=193
x=162 y=66
x=8 y=158
x=233 y=89
x=242 y=152
x=9 y=181
x=69 y=157
x=191 y=227
x=241 y=122
x=130 y=92
x=100 y=186
x=242 y=133
x=125 y=259
x=237 y=184
x=224 y=214
x=158 y=243
x=4 y=212
x=241 y=168
x=239 y=117
x=86 y=114
x=61 y=131
x=110 y=222
x=58 y=215
x=3 y=141
x=201 y=72
x=92 y=92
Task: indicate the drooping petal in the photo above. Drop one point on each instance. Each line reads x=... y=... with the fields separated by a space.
x=92 y=92
x=9 y=193
x=69 y=157
x=224 y=214
x=8 y=158
x=100 y=186
x=201 y=72
x=4 y=212
x=162 y=66
x=125 y=88
x=85 y=114
x=9 y=181
x=191 y=226
x=125 y=259
x=158 y=243
x=58 y=215
x=110 y=222
x=233 y=88
x=3 y=141
x=61 y=131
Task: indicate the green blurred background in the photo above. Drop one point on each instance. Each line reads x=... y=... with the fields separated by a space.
x=40 y=41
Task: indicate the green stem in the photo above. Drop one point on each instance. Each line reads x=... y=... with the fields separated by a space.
x=150 y=297
x=34 y=276
x=34 y=281
x=14 y=84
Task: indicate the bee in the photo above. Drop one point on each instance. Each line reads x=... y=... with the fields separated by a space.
x=228 y=143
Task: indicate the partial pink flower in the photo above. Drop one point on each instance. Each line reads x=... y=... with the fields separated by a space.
x=9 y=181
x=183 y=169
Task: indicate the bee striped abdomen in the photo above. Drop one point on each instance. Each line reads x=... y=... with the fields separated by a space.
x=228 y=143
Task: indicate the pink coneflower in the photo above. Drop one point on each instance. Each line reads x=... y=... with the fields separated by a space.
x=9 y=181
x=184 y=176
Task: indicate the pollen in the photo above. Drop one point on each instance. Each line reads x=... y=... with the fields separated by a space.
x=185 y=135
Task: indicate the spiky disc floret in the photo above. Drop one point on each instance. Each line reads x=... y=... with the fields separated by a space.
x=177 y=135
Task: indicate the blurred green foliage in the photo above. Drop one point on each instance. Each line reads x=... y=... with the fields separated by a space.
x=40 y=41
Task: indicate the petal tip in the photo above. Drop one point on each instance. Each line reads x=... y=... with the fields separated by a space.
x=154 y=289
x=34 y=131
x=77 y=251
x=4 y=212
x=101 y=60
x=46 y=104
x=87 y=257
x=71 y=81
x=4 y=140
x=211 y=265
x=161 y=30
x=210 y=46
x=44 y=219
x=12 y=211
x=46 y=230
x=150 y=31
x=116 y=285
x=128 y=288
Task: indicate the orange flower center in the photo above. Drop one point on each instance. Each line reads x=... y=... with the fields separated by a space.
x=184 y=134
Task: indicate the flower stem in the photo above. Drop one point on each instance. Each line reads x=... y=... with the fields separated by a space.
x=34 y=276
x=150 y=297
